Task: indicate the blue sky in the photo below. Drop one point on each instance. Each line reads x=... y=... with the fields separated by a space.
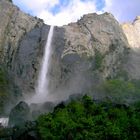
x=61 y=12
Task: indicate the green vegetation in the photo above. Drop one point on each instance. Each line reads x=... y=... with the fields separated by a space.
x=3 y=80
x=116 y=86
x=3 y=89
x=120 y=90
x=122 y=74
x=98 y=59
x=87 y=120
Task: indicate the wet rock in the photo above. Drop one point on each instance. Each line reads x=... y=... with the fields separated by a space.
x=19 y=114
x=25 y=66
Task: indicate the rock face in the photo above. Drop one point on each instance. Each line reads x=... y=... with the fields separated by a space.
x=28 y=56
x=94 y=49
x=85 y=53
x=132 y=31
x=97 y=34
x=14 y=25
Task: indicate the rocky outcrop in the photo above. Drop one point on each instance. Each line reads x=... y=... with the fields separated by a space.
x=94 y=49
x=14 y=26
x=19 y=114
x=132 y=31
x=94 y=34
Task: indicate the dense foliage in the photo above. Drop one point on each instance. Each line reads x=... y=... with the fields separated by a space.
x=121 y=91
x=88 y=120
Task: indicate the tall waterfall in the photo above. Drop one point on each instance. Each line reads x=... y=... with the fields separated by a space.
x=43 y=78
x=43 y=81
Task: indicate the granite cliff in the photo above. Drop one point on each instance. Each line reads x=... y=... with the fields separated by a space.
x=85 y=53
x=132 y=32
x=94 y=49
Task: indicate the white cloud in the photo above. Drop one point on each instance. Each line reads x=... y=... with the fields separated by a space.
x=66 y=14
x=73 y=11
x=123 y=10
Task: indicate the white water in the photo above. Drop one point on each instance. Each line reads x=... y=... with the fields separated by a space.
x=4 y=122
x=43 y=80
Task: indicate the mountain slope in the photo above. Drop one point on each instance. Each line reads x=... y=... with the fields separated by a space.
x=85 y=53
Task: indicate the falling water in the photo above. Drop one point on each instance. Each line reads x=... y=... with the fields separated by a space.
x=43 y=81
x=43 y=78
x=4 y=122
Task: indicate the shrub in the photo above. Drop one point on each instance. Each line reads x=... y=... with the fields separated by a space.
x=3 y=89
x=76 y=121
x=120 y=90
x=98 y=59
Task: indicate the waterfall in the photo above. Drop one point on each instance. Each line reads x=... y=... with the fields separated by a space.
x=43 y=80
x=4 y=122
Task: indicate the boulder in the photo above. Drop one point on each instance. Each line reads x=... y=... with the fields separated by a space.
x=19 y=114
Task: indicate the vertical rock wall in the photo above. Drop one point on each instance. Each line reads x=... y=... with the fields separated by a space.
x=132 y=32
x=85 y=53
